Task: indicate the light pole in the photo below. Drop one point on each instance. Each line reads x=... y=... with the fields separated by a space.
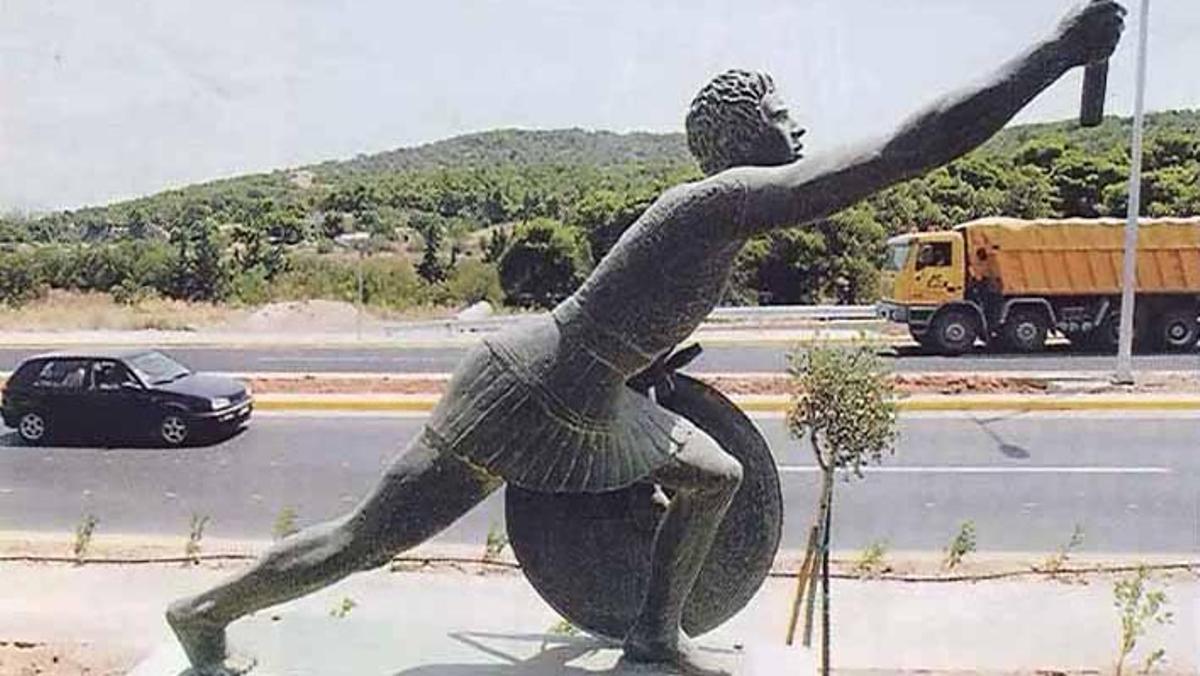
x=1129 y=272
x=358 y=242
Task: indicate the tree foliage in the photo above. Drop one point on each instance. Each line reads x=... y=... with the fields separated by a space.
x=598 y=183
x=543 y=263
x=844 y=408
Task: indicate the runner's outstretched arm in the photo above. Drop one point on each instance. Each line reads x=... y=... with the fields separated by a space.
x=806 y=190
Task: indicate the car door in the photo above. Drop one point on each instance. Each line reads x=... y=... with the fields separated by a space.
x=61 y=390
x=115 y=398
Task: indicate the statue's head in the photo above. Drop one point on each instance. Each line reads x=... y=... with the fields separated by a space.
x=738 y=119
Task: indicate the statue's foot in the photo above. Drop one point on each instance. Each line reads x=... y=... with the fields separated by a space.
x=677 y=655
x=203 y=640
x=234 y=665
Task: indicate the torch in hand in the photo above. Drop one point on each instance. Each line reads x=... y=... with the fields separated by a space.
x=1091 y=104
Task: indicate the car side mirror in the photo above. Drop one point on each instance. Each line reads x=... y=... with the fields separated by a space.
x=129 y=386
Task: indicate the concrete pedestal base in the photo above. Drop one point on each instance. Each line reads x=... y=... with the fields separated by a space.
x=315 y=646
x=455 y=624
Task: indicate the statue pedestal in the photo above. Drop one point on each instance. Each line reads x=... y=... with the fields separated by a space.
x=457 y=624
x=331 y=647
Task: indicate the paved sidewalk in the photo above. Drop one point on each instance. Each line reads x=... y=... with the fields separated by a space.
x=454 y=623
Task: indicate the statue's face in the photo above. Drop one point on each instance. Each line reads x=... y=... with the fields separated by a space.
x=780 y=142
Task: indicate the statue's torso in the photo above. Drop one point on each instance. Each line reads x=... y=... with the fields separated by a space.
x=667 y=272
x=545 y=405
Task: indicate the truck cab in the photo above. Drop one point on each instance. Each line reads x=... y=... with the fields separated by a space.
x=924 y=278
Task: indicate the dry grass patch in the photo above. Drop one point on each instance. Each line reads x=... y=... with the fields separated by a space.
x=74 y=311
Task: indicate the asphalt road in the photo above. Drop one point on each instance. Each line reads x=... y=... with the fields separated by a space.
x=1130 y=480
x=715 y=359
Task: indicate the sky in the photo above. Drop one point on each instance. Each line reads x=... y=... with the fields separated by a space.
x=109 y=99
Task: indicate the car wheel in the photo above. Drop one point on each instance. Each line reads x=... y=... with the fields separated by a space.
x=1025 y=330
x=1178 y=330
x=174 y=429
x=33 y=427
x=954 y=331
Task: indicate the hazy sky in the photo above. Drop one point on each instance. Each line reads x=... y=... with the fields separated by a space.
x=110 y=99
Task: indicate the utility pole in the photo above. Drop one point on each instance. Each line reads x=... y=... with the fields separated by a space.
x=1129 y=273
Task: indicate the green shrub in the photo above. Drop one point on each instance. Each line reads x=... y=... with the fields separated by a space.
x=472 y=281
x=19 y=283
x=544 y=263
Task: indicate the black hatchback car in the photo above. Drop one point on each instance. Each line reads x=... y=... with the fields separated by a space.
x=120 y=394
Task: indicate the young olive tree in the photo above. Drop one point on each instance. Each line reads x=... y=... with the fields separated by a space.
x=844 y=406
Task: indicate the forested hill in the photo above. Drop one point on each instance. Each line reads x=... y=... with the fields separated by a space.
x=581 y=189
x=594 y=153
x=520 y=147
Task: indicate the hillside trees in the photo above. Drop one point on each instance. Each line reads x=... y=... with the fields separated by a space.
x=199 y=273
x=543 y=263
x=595 y=185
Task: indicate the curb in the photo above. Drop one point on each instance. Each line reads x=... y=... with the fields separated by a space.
x=779 y=404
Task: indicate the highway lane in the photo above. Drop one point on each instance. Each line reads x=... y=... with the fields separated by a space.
x=715 y=359
x=1130 y=480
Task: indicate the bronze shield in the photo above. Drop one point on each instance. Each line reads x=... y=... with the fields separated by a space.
x=588 y=555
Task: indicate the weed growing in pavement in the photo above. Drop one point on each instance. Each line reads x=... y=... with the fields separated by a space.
x=871 y=562
x=83 y=538
x=497 y=541
x=341 y=610
x=562 y=628
x=285 y=523
x=191 y=549
x=1138 y=608
x=1055 y=562
x=962 y=544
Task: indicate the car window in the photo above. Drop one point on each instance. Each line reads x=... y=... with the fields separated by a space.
x=109 y=375
x=156 y=368
x=63 y=374
x=26 y=373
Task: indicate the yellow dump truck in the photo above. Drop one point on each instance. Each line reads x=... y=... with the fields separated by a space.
x=1009 y=282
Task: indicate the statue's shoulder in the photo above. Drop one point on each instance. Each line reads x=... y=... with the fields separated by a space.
x=724 y=186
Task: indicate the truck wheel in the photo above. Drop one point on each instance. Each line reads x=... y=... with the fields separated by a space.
x=1177 y=330
x=924 y=339
x=1025 y=330
x=954 y=331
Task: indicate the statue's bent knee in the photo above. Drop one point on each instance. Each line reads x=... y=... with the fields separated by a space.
x=719 y=472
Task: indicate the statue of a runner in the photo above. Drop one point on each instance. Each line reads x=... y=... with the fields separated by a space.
x=547 y=408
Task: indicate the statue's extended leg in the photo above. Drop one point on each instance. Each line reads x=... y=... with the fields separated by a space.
x=422 y=493
x=704 y=478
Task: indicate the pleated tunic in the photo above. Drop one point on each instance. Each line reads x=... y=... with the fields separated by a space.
x=545 y=406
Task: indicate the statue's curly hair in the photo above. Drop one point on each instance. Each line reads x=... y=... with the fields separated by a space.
x=726 y=120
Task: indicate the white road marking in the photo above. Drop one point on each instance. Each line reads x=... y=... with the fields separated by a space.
x=967 y=469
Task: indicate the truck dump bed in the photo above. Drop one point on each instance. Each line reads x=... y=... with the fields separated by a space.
x=1081 y=256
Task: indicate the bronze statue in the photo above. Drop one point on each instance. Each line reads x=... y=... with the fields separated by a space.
x=546 y=408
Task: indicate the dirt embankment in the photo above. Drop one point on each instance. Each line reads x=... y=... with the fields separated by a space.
x=31 y=658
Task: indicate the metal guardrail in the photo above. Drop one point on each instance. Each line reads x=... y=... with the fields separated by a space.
x=811 y=312
x=721 y=314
